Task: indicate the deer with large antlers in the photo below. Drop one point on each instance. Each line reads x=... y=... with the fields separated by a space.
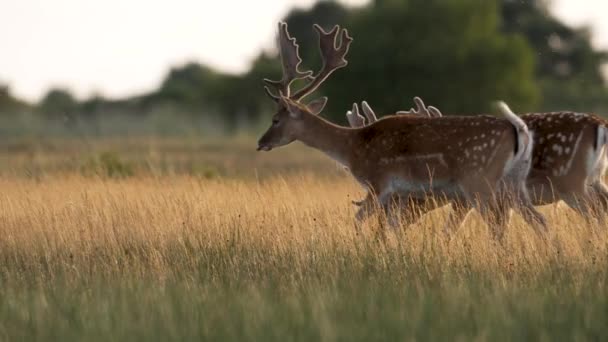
x=569 y=160
x=461 y=159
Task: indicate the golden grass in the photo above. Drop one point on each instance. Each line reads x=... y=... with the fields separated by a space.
x=268 y=251
x=74 y=220
x=156 y=157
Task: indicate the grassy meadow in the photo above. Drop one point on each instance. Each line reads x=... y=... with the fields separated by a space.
x=159 y=240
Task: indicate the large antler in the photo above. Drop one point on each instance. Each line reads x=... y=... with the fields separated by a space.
x=290 y=61
x=332 y=55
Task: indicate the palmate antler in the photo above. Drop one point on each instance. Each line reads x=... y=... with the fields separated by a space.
x=290 y=62
x=332 y=55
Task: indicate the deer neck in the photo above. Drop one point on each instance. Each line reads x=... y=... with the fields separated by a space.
x=333 y=140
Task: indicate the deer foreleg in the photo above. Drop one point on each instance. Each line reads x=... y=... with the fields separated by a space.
x=400 y=208
x=366 y=207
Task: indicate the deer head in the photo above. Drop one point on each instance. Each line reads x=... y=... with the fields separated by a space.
x=287 y=121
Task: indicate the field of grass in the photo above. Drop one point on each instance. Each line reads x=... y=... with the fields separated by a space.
x=264 y=248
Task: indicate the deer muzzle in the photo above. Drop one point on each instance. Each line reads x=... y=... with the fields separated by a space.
x=264 y=147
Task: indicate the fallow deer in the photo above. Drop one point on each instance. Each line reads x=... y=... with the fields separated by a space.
x=517 y=174
x=569 y=160
x=461 y=159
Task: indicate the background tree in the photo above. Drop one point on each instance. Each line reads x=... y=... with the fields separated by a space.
x=568 y=67
x=191 y=85
x=58 y=104
x=240 y=97
x=9 y=104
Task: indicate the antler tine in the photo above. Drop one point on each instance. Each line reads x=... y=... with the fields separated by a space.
x=355 y=119
x=290 y=62
x=434 y=112
x=332 y=55
x=420 y=107
x=269 y=93
x=369 y=113
x=351 y=119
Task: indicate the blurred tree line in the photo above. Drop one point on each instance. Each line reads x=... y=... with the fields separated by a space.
x=457 y=54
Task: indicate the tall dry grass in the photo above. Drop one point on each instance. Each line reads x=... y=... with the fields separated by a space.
x=183 y=257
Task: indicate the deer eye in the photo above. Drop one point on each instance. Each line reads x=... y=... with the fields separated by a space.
x=275 y=121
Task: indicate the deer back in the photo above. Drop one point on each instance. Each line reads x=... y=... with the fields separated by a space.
x=428 y=152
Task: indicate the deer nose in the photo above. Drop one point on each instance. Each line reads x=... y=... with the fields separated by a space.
x=263 y=147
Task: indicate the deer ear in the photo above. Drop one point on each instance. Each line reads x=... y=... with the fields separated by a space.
x=317 y=105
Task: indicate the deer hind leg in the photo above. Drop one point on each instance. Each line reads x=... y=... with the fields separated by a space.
x=597 y=187
x=577 y=194
x=599 y=192
x=459 y=213
x=577 y=197
x=523 y=205
x=496 y=214
x=582 y=205
x=494 y=211
x=492 y=207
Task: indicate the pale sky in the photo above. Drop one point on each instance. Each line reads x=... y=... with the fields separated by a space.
x=121 y=47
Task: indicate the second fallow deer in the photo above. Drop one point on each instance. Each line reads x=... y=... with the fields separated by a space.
x=569 y=160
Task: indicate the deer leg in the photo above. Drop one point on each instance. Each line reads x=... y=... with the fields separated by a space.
x=392 y=205
x=366 y=208
x=496 y=213
x=581 y=204
x=527 y=210
x=392 y=210
x=493 y=208
x=404 y=209
x=459 y=213
x=600 y=191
